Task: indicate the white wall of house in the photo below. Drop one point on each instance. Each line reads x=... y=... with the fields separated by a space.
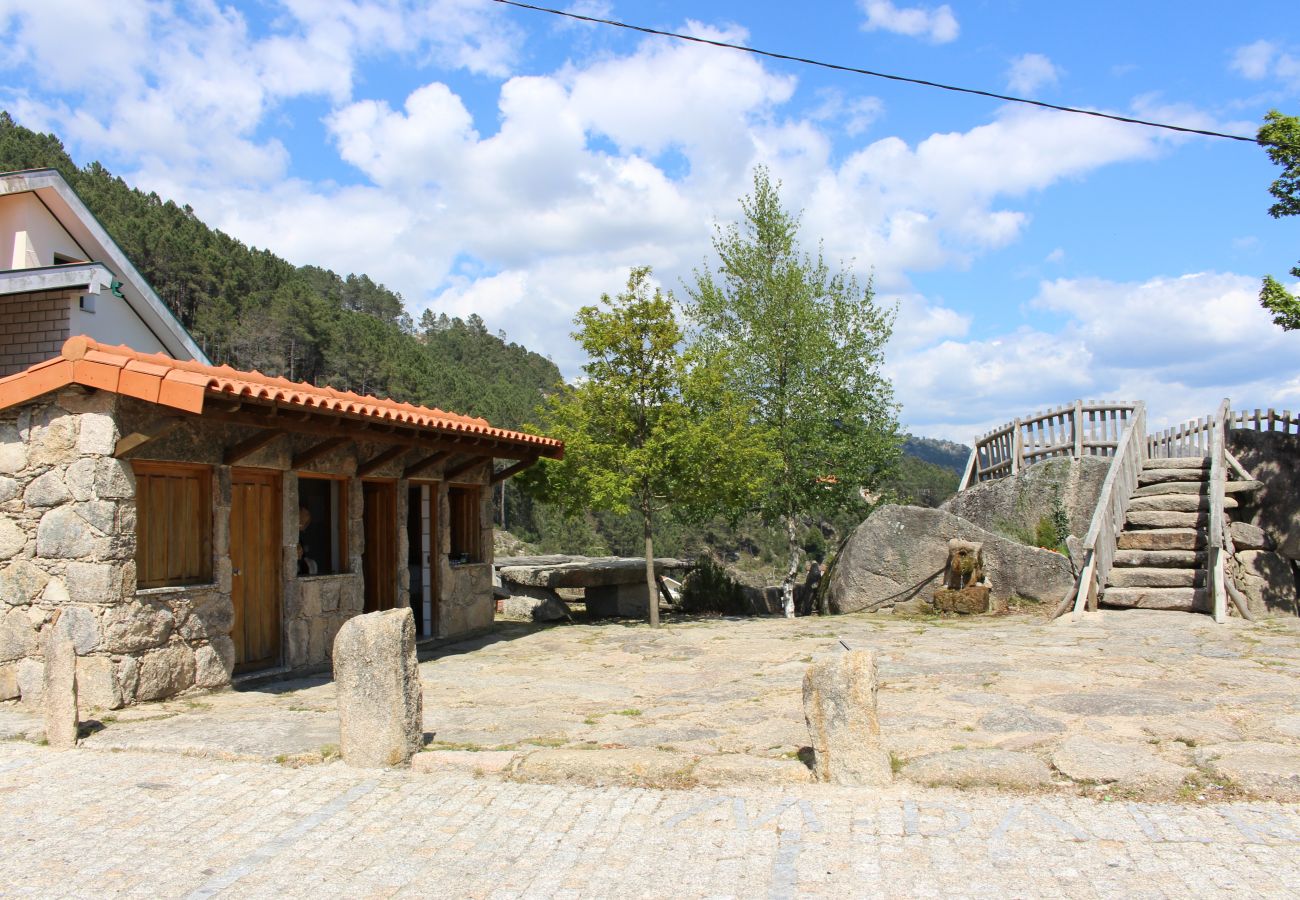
x=114 y=322
x=30 y=236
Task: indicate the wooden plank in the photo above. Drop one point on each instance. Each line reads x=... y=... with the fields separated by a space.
x=250 y=445
x=316 y=451
x=1077 y=424
x=376 y=463
x=1017 y=448
x=379 y=557
x=971 y=471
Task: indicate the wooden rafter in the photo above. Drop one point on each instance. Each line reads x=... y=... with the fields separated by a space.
x=424 y=463
x=152 y=432
x=498 y=477
x=316 y=451
x=378 y=462
x=249 y=446
x=464 y=467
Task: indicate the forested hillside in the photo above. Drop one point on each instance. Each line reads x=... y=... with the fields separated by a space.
x=252 y=309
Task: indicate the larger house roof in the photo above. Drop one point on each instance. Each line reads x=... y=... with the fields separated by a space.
x=187 y=385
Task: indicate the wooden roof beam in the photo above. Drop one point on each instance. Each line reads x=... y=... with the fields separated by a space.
x=376 y=463
x=421 y=464
x=316 y=451
x=498 y=477
x=250 y=445
x=464 y=467
x=152 y=432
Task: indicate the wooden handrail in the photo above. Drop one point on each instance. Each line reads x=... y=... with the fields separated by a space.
x=1214 y=560
x=1112 y=508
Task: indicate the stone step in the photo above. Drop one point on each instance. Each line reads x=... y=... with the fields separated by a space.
x=1155 y=578
x=1177 y=462
x=1164 y=559
x=1176 y=503
x=1162 y=539
x=1182 y=599
x=1242 y=487
x=1165 y=519
x=1160 y=489
x=1159 y=476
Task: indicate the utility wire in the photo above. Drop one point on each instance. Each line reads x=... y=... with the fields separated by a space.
x=921 y=81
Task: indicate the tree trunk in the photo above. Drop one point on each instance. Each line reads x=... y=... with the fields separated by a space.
x=651 y=588
x=787 y=586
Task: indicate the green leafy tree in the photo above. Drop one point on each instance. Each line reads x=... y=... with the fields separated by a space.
x=646 y=429
x=1280 y=136
x=804 y=346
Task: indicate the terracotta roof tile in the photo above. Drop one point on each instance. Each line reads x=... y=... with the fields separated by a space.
x=185 y=384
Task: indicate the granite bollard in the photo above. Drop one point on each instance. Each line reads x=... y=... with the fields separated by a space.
x=59 y=697
x=377 y=679
x=839 y=705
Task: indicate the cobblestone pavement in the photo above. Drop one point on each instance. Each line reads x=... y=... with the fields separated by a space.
x=88 y=823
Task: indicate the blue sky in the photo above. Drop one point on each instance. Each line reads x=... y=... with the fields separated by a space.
x=480 y=158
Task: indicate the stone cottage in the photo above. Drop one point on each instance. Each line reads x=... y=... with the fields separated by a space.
x=197 y=524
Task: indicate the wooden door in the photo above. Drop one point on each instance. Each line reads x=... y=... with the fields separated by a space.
x=255 y=560
x=379 y=559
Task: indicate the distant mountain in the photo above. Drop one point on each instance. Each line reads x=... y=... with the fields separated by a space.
x=947 y=454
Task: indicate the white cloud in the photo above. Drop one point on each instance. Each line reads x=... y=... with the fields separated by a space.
x=938 y=25
x=1056 y=256
x=1266 y=59
x=1181 y=344
x=1031 y=71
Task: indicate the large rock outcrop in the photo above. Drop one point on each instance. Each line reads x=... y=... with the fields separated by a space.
x=898 y=554
x=1021 y=500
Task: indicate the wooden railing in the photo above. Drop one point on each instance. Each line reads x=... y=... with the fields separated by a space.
x=1214 y=558
x=1189 y=439
x=1082 y=428
x=1112 y=508
x=1285 y=421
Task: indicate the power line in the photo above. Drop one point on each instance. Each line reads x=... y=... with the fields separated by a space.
x=919 y=81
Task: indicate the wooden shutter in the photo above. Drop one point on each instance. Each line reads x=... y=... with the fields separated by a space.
x=464 y=508
x=173 y=524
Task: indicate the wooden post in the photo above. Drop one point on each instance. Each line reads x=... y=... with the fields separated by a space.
x=1078 y=429
x=1017 y=447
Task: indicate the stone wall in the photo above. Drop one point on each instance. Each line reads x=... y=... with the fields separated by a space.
x=68 y=542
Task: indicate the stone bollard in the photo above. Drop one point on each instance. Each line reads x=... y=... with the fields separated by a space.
x=60 y=683
x=381 y=717
x=839 y=704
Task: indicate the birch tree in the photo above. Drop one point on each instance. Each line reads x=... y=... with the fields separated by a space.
x=803 y=345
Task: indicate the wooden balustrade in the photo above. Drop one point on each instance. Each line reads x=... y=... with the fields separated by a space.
x=1076 y=429
x=1214 y=558
x=1112 y=508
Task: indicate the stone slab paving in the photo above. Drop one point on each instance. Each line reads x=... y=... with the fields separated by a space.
x=1162 y=691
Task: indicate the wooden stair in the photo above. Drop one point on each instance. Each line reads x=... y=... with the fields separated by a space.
x=1160 y=560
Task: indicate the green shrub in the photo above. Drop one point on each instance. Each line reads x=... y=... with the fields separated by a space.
x=709 y=589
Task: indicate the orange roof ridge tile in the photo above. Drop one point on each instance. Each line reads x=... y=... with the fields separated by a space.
x=157 y=378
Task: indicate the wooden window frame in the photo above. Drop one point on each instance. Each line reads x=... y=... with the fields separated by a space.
x=203 y=474
x=342 y=513
x=470 y=545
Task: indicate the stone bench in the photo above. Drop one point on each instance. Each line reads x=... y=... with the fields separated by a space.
x=612 y=585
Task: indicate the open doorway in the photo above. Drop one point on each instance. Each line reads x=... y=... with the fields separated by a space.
x=421 y=521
